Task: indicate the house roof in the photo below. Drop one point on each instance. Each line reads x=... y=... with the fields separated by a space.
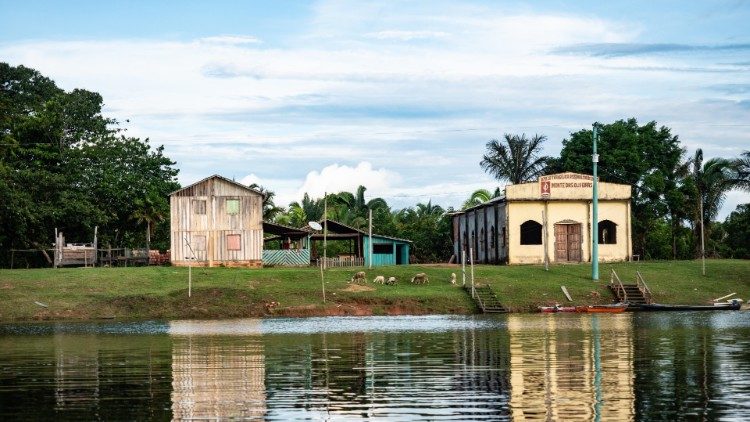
x=216 y=176
x=482 y=205
x=341 y=228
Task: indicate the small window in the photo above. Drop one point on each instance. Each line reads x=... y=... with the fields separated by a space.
x=199 y=206
x=382 y=248
x=607 y=232
x=233 y=206
x=199 y=243
x=233 y=242
x=531 y=233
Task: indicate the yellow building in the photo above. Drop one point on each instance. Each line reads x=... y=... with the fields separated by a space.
x=549 y=217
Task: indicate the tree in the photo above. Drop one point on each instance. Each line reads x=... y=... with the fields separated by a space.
x=516 y=160
x=480 y=196
x=150 y=210
x=429 y=227
x=712 y=179
x=270 y=210
x=646 y=157
x=742 y=171
x=736 y=230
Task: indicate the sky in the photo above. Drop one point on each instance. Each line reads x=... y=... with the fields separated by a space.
x=398 y=96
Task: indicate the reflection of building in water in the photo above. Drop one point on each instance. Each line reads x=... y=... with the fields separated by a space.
x=217 y=376
x=571 y=367
x=76 y=372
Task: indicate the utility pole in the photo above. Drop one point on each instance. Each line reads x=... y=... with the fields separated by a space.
x=325 y=230
x=703 y=238
x=595 y=213
x=369 y=250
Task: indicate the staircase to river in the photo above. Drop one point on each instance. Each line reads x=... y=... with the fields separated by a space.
x=487 y=300
x=632 y=294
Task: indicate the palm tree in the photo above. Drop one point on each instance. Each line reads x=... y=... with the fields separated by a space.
x=481 y=196
x=270 y=210
x=515 y=160
x=712 y=181
x=742 y=170
x=149 y=210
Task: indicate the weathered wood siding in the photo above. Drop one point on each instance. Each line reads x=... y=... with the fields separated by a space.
x=207 y=232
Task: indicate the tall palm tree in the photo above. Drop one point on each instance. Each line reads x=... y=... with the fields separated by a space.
x=270 y=210
x=150 y=210
x=516 y=159
x=742 y=170
x=481 y=196
x=712 y=181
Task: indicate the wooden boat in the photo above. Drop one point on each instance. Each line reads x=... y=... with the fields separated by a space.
x=608 y=309
x=724 y=306
x=556 y=308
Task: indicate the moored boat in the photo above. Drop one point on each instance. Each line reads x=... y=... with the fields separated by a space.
x=725 y=306
x=557 y=308
x=609 y=309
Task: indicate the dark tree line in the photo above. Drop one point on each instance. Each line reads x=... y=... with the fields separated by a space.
x=64 y=165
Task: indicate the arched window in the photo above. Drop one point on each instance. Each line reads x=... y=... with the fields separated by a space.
x=466 y=242
x=481 y=238
x=607 y=232
x=504 y=237
x=493 y=238
x=531 y=233
x=473 y=245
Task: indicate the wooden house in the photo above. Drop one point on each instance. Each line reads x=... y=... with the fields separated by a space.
x=216 y=222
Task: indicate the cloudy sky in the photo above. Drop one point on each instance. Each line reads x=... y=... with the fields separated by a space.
x=398 y=96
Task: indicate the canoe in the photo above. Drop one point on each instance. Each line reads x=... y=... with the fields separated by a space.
x=609 y=309
x=556 y=308
x=731 y=306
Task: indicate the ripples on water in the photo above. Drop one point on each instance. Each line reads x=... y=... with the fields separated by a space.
x=552 y=367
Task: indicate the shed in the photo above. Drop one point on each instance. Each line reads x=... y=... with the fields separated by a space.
x=216 y=222
x=387 y=250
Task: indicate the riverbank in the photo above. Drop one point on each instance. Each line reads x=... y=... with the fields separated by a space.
x=162 y=292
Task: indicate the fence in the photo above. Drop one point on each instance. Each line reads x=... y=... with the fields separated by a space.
x=286 y=258
x=342 y=262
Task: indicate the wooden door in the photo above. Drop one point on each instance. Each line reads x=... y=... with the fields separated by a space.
x=568 y=242
x=574 y=242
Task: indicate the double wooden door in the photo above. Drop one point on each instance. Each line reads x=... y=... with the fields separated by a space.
x=568 y=242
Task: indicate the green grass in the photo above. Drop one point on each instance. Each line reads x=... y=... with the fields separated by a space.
x=161 y=292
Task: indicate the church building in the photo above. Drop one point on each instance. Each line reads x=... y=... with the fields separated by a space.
x=550 y=218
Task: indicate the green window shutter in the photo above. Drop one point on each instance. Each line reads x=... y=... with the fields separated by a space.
x=233 y=206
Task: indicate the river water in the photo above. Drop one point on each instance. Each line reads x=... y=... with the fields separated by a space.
x=665 y=366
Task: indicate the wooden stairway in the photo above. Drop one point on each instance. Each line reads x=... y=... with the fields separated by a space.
x=632 y=294
x=486 y=299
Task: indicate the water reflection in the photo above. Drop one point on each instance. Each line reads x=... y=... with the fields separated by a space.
x=216 y=374
x=572 y=367
x=550 y=367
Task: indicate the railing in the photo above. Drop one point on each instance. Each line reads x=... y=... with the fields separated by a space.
x=341 y=262
x=618 y=287
x=641 y=283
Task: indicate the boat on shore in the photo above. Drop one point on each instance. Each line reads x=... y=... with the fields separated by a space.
x=724 y=306
x=608 y=309
x=556 y=308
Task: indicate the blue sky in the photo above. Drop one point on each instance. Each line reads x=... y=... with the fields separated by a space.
x=401 y=97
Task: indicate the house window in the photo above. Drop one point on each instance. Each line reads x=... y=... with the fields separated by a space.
x=233 y=242
x=199 y=206
x=382 y=248
x=493 y=239
x=233 y=206
x=199 y=243
x=481 y=238
x=531 y=233
x=607 y=232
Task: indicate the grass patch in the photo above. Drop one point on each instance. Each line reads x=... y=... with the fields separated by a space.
x=161 y=292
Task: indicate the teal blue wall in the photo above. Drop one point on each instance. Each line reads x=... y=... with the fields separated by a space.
x=385 y=259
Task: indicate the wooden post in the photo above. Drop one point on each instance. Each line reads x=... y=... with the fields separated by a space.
x=471 y=261
x=463 y=267
x=12 y=256
x=703 y=239
x=325 y=229
x=323 y=283
x=96 y=245
x=369 y=250
x=57 y=248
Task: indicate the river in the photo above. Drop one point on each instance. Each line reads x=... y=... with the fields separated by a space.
x=667 y=366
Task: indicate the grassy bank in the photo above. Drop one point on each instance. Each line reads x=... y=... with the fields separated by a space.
x=161 y=292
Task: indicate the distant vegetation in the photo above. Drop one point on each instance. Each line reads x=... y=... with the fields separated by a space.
x=64 y=165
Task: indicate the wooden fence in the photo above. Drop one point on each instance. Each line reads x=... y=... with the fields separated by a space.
x=342 y=262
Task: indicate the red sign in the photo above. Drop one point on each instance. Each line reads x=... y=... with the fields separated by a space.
x=545 y=185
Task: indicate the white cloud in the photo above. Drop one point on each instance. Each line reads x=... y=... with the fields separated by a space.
x=337 y=178
x=407 y=35
x=231 y=39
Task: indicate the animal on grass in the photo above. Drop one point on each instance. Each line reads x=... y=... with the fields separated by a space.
x=359 y=277
x=391 y=281
x=379 y=279
x=420 y=278
x=453 y=278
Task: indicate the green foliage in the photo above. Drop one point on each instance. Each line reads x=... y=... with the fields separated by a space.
x=515 y=159
x=64 y=165
x=731 y=239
